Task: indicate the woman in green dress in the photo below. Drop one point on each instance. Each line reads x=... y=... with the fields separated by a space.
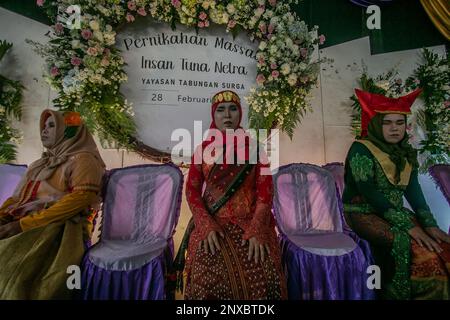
x=380 y=169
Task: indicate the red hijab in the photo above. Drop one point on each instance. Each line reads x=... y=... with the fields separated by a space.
x=231 y=149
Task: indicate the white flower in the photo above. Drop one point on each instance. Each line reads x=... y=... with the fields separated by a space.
x=110 y=38
x=259 y=12
x=274 y=20
x=262 y=45
x=96 y=78
x=285 y=69
x=225 y=17
x=94 y=25
x=205 y=5
x=292 y=79
x=273 y=49
x=289 y=17
x=103 y=10
x=252 y=22
x=269 y=14
x=384 y=84
x=98 y=35
x=75 y=44
x=230 y=8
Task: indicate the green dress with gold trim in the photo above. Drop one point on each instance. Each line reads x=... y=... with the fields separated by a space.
x=373 y=203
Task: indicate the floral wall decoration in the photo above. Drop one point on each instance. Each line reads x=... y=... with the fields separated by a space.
x=10 y=108
x=86 y=69
x=433 y=76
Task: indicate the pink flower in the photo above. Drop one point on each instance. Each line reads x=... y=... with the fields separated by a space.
x=59 y=28
x=275 y=74
x=92 y=51
x=262 y=27
x=201 y=24
x=231 y=24
x=322 y=39
x=40 y=3
x=104 y=62
x=106 y=52
x=206 y=23
x=203 y=15
x=273 y=2
x=142 y=12
x=261 y=60
x=303 y=52
x=273 y=66
x=75 y=61
x=86 y=34
x=176 y=3
x=131 y=5
x=260 y=79
x=54 y=71
x=271 y=28
x=447 y=103
x=130 y=17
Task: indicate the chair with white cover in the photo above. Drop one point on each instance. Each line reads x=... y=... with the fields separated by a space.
x=141 y=207
x=323 y=261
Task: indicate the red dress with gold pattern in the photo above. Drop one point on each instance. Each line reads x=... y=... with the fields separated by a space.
x=228 y=274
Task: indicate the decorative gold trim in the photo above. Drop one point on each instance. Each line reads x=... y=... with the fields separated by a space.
x=387 y=165
x=226 y=96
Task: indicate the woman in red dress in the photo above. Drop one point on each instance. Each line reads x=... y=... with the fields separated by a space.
x=233 y=250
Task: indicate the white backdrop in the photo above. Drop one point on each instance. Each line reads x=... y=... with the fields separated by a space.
x=172 y=75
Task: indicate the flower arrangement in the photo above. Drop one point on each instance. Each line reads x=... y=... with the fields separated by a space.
x=433 y=76
x=10 y=108
x=87 y=70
